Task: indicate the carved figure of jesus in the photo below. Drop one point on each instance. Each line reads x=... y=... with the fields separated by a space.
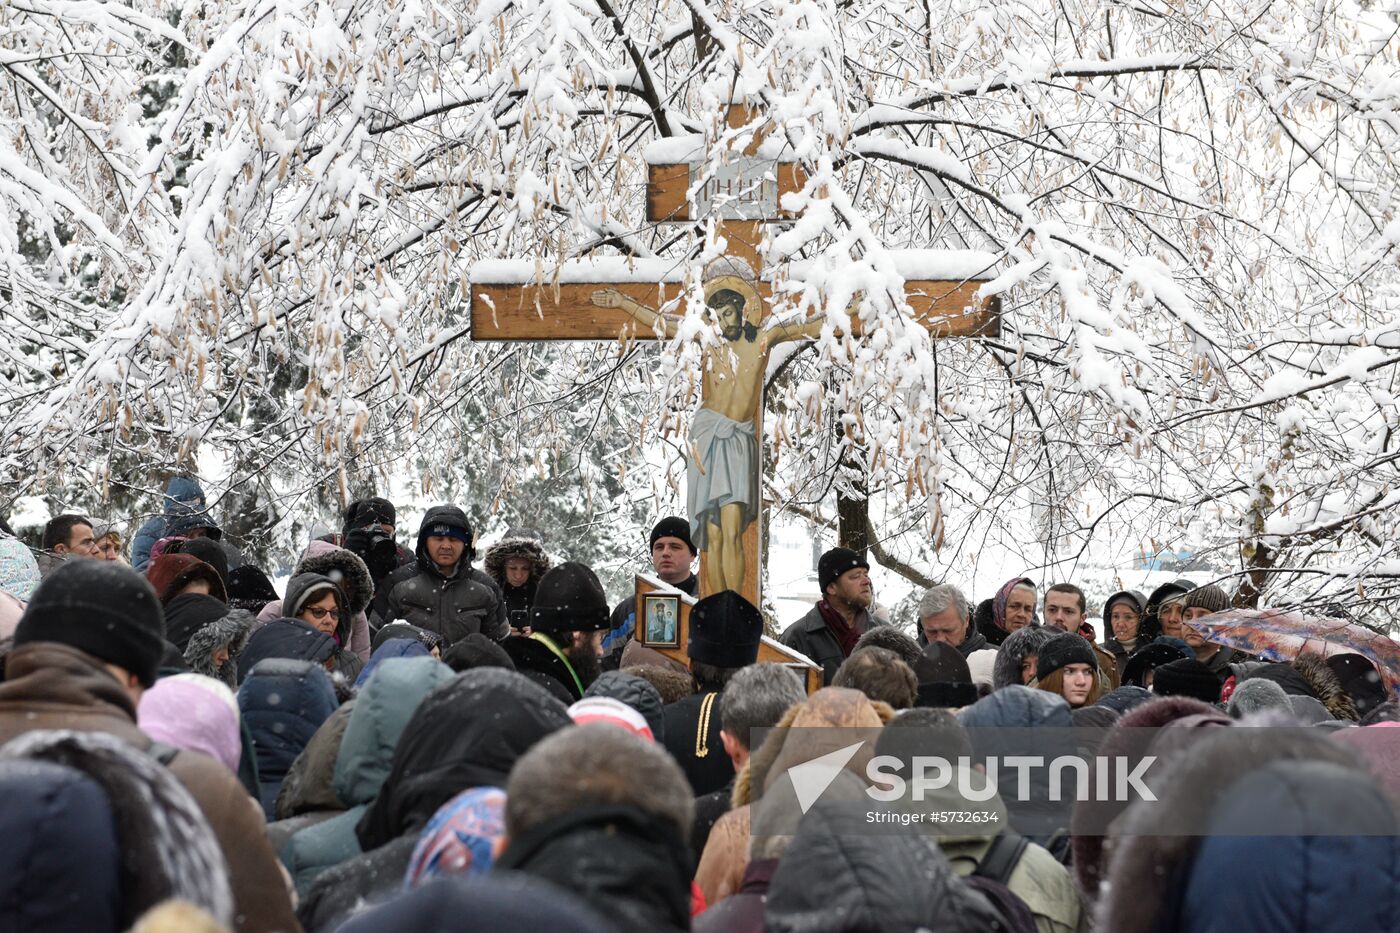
x=722 y=468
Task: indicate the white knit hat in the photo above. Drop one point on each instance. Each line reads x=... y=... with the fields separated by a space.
x=980 y=663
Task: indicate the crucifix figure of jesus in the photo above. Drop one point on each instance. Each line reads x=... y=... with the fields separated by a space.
x=722 y=468
x=613 y=297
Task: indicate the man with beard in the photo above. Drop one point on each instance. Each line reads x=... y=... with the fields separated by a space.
x=567 y=621
x=828 y=634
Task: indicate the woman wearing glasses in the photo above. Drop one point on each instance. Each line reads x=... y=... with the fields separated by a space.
x=315 y=626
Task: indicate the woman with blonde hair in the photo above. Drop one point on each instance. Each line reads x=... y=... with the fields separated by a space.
x=109 y=544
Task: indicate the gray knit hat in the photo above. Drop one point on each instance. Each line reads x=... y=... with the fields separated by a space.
x=1209 y=597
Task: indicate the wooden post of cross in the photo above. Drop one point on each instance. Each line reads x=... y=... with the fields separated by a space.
x=612 y=298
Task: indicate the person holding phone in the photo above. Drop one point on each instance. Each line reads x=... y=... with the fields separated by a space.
x=516 y=563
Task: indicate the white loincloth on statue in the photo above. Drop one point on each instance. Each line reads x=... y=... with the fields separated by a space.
x=729 y=451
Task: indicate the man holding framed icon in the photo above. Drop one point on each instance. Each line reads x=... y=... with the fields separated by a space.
x=672 y=557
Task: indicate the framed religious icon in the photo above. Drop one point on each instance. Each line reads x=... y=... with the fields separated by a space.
x=661 y=621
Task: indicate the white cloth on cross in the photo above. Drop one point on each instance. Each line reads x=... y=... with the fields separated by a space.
x=728 y=452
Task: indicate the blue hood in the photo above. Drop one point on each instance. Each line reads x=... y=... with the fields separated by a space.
x=183 y=491
x=1017 y=707
x=393 y=648
x=51 y=813
x=382 y=711
x=285 y=638
x=283 y=702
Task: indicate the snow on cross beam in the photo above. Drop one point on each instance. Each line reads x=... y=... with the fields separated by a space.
x=522 y=300
x=686 y=182
x=613 y=298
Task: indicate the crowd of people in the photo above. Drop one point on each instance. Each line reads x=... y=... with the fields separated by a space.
x=403 y=740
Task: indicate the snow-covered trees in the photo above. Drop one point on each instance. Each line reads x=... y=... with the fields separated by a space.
x=1190 y=211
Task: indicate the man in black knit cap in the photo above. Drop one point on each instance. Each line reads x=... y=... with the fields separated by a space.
x=1186 y=677
x=567 y=622
x=672 y=557
x=89 y=643
x=1197 y=604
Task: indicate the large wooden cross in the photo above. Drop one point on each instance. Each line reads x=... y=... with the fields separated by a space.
x=611 y=298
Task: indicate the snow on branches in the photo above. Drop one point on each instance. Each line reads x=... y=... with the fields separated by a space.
x=250 y=225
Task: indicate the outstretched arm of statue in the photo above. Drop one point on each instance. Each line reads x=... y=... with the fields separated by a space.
x=811 y=330
x=788 y=333
x=612 y=298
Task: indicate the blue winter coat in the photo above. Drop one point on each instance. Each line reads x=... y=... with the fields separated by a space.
x=60 y=866
x=1318 y=869
x=1017 y=720
x=382 y=710
x=180 y=495
x=393 y=648
x=283 y=703
x=1017 y=707
x=285 y=638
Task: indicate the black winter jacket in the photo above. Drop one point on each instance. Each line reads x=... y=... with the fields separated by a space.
x=366 y=880
x=629 y=865
x=837 y=876
x=498 y=901
x=454 y=606
x=692 y=737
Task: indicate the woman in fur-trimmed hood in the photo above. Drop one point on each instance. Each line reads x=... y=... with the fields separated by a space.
x=1193 y=859
x=1130 y=737
x=347 y=571
x=519 y=592
x=209 y=634
x=159 y=844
